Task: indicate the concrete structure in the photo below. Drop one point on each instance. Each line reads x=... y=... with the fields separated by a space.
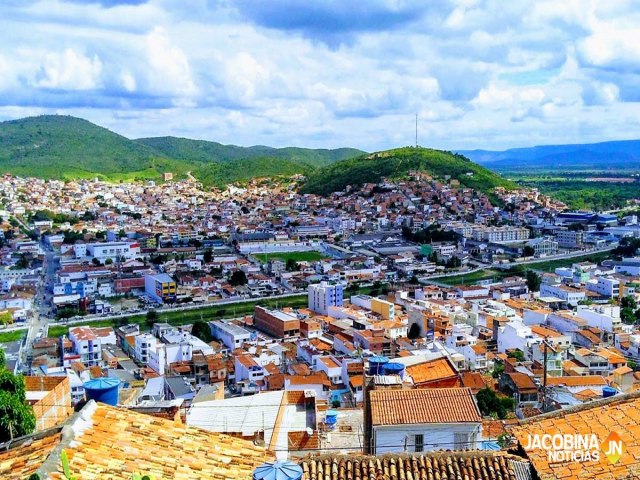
x=161 y=288
x=233 y=336
x=325 y=295
x=276 y=323
x=50 y=398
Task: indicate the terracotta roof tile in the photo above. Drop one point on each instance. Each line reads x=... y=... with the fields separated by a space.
x=119 y=442
x=428 y=405
x=431 y=371
x=26 y=455
x=620 y=414
x=472 y=465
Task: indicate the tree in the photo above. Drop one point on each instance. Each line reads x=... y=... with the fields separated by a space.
x=528 y=251
x=151 y=318
x=414 y=331
x=5 y=319
x=3 y=359
x=201 y=330
x=208 y=256
x=292 y=265
x=533 y=281
x=16 y=415
x=238 y=277
x=517 y=354
x=490 y=404
x=454 y=262
x=498 y=369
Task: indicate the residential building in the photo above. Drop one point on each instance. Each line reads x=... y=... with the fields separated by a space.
x=160 y=288
x=276 y=323
x=325 y=295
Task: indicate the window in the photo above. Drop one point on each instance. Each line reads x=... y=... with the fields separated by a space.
x=418 y=442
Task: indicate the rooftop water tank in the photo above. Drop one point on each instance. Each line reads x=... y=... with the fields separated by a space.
x=331 y=418
x=104 y=390
x=278 y=471
x=608 y=392
x=393 y=368
x=375 y=365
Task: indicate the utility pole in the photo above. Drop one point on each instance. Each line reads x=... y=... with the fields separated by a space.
x=544 y=377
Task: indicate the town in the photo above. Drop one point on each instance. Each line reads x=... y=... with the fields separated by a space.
x=408 y=316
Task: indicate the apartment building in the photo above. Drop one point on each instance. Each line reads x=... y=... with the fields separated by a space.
x=276 y=323
x=325 y=295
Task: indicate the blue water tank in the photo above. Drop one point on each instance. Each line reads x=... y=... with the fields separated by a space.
x=608 y=392
x=278 y=471
x=375 y=365
x=331 y=418
x=103 y=390
x=393 y=368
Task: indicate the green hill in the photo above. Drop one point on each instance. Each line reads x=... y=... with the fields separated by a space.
x=205 y=151
x=54 y=146
x=65 y=147
x=371 y=168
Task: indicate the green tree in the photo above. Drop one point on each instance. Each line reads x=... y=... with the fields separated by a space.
x=498 y=369
x=517 y=354
x=238 y=277
x=490 y=404
x=533 y=281
x=454 y=262
x=201 y=330
x=528 y=251
x=151 y=318
x=16 y=415
x=3 y=360
x=292 y=265
x=208 y=256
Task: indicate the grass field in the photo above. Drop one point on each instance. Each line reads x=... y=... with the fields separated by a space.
x=189 y=316
x=545 y=266
x=284 y=256
x=6 y=337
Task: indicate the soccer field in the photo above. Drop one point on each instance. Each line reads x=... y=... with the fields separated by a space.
x=284 y=256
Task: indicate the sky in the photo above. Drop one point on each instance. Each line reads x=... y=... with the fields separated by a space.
x=489 y=74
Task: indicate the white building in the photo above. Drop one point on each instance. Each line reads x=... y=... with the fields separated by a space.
x=414 y=420
x=604 y=317
x=145 y=343
x=570 y=295
x=88 y=342
x=111 y=250
x=605 y=286
x=325 y=295
x=233 y=336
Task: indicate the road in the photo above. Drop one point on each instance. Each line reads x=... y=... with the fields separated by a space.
x=432 y=279
x=38 y=322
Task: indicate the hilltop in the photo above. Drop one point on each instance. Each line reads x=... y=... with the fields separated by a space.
x=65 y=147
x=54 y=146
x=371 y=168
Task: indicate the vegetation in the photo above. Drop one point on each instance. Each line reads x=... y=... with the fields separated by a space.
x=371 y=168
x=201 y=330
x=579 y=193
x=629 y=311
x=310 y=256
x=64 y=147
x=490 y=404
x=16 y=415
x=533 y=281
x=238 y=277
x=12 y=336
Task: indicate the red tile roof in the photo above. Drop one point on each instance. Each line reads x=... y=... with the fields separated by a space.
x=428 y=405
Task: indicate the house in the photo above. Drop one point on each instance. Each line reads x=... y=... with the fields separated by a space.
x=521 y=385
x=50 y=398
x=105 y=442
x=431 y=373
x=597 y=421
x=421 y=420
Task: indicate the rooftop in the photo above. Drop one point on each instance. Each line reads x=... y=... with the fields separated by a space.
x=429 y=405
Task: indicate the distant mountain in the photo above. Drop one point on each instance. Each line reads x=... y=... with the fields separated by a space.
x=205 y=151
x=371 y=168
x=53 y=146
x=65 y=147
x=614 y=155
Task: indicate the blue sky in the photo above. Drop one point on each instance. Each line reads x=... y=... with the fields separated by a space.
x=480 y=73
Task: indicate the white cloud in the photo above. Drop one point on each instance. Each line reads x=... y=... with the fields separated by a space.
x=69 y=70
x=481 y=73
